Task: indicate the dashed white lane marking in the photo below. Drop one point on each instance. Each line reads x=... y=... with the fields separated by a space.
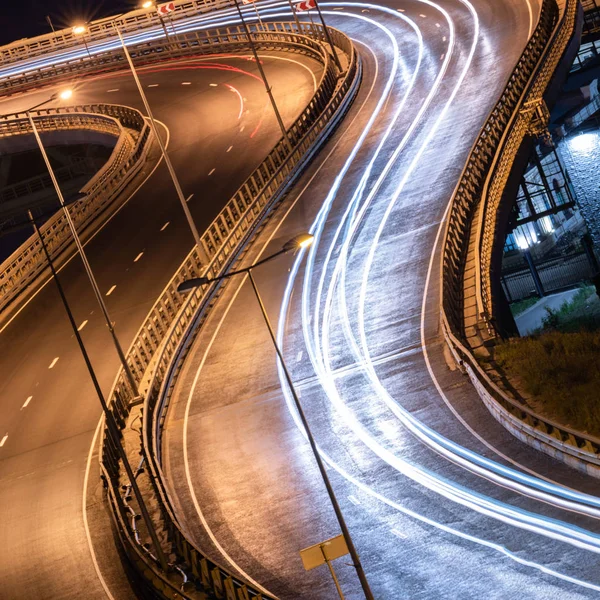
x=212 y=172
x=27 y=402
x=3 y=440
x=299 y=357
x=242 y=128
x=112 y=289
x=229 y=149
x=189 y=197
x=365 y=10
x=153 y=85
x=423 y=16
x=438 y=26
x=444 y=39
x=53 y=363
x=213 y=85
x=165 y=226
x=339 y=8
x=354 y=500
x=82 y=325
x=399 y=534
x=442 y=57
x=138 y=257
x=186 y=83
x=401 y=10
x=113 y=90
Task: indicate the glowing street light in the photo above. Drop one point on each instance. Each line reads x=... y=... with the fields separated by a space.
x=81 y=30
x=297 y=243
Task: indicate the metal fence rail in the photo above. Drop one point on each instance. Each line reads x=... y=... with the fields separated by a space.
x=479 y=187
x=166 y=333
x=233 y=39
x=520 y=128
x=470 y=188
x=555 y=274
x=77 y=168
x=20 y=269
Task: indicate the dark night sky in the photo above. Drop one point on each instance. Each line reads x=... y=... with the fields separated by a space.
x=27 y=18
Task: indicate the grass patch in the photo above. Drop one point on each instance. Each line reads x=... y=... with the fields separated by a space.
x=518 y=308
x=581 y=313
x=561 y=371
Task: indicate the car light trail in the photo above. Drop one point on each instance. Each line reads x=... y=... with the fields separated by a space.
x=523 y=519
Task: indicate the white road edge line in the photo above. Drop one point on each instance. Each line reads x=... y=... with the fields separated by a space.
x=84 y=512
x=207 y=350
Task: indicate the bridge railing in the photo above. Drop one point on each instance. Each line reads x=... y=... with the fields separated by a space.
x=23 y=267
x=161 y=341
x=75 y=169
x=472 y=224
x=102 y=29
x=207 y=41
x=470 y=188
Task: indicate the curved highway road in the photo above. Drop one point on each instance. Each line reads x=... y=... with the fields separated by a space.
x=220 y=125
x=442 y=502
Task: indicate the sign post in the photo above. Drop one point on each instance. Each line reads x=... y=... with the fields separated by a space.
x=323 y=554
x=309 y=5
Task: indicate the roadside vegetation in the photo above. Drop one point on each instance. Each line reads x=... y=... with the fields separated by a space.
x=518 y=308
x=558 y=367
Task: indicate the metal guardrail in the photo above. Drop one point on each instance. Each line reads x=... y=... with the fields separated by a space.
x=472 y=182
x=519 y=129
x=20 y=269
x=482 y=181
x=78 y=167
x=231 y=39
x=102 y=29
x=166 y=333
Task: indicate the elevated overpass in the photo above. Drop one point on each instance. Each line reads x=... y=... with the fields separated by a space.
x=359 y=323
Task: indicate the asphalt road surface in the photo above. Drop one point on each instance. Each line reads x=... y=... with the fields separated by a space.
x=441 y=501
x=220 y=126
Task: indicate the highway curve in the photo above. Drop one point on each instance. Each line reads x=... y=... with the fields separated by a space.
x=442 y=502
x=220 y=126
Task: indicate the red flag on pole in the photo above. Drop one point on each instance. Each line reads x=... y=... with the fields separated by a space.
x=305 y=5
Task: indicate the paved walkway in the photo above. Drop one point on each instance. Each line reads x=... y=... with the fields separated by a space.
x=533 y=317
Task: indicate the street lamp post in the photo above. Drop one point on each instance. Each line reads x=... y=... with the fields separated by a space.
x=81 y=30
x=328 y=36
x=263 y=76
x=113 y=430
x=296 y=243
x=151 y=4
x=163 y=150
x=129 y=375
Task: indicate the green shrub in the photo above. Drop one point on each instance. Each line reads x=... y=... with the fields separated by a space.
x=562 y=373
